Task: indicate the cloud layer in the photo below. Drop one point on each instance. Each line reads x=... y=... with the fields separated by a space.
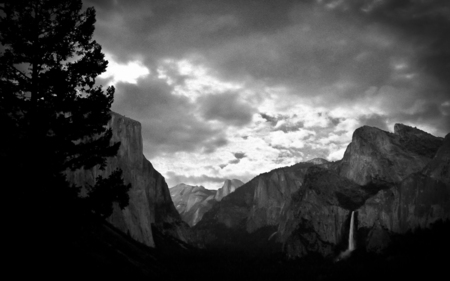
x=235 y=88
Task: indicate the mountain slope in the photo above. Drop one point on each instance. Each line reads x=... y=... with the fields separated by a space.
x=255 y=208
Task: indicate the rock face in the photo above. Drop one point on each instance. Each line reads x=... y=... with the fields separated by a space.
x=376 y=155
x=150 y=201
x=383 y=176
x=317 y=217
x=394 y=182
x=193 y=201
x=417 y=201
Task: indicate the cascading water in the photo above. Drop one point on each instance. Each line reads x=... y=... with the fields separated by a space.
x=351 y=241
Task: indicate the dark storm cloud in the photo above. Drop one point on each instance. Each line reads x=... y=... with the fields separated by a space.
x=325 y=41
x=425 y=23
x=290 y=127
x=432 y=112
x=271 y=119
x=375 y=120
x=212 y=144
x=239 y=155
x=423 y=30
x=333 y=52
x=314 y=51
x=287 y=127
x=226 y=108
x=167 y=122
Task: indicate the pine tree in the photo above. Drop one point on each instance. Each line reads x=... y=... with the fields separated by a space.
x=53 y=114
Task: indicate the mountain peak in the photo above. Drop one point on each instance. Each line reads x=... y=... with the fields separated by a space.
x=228 y=187
x=377 y=154
x=402 y=129
x=417 y=141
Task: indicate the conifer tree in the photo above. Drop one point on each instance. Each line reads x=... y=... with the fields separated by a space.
x=53 y=114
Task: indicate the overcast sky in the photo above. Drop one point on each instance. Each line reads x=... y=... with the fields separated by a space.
x=235 y=88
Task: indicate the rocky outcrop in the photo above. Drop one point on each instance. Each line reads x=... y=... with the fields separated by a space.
x=193 y=201
x=150 y=201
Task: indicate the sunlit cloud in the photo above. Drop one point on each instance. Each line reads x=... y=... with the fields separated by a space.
x=192 y=79
x=127 y=73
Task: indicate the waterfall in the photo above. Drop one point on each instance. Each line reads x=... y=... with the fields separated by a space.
x=351 y=241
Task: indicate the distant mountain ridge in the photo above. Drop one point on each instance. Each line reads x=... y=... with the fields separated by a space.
x=394 y=182
x=193 y=201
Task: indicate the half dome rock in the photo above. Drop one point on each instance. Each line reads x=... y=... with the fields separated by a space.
x=228 y=187
x=150 y=202
x=375 y=155
x=192 y=201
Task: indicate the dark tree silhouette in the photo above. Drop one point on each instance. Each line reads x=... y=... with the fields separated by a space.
x=53 y=115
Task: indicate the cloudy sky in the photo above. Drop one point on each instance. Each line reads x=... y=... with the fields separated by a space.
x=232 y=89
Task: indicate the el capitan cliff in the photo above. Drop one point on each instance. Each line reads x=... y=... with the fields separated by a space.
x=150 y=201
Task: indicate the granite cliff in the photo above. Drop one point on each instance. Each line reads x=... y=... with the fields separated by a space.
x=374 y=168
x=384 y=177
x=394 y=181
x=420 y=199
x=377 y=155
x=193 y=201
x=150 y=202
